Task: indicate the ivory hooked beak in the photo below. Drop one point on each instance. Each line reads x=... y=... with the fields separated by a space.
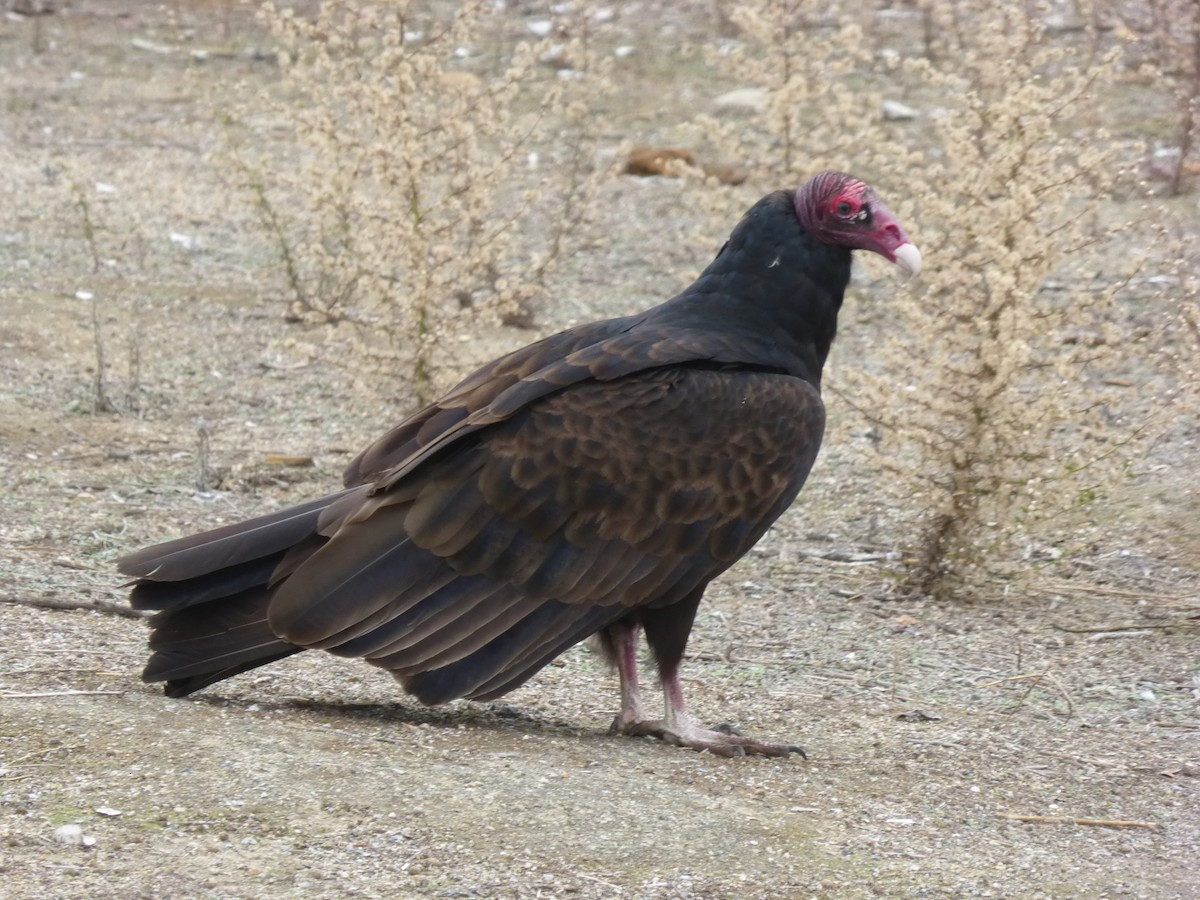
x=908 y=257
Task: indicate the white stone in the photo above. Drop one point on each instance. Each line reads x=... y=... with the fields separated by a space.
x=752 y=100
x=71 y=835
x=895 y=111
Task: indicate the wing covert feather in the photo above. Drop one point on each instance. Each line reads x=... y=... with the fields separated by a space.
x=572 y=510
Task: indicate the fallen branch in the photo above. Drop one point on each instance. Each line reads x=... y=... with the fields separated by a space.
x=1011 y=678
x=1073 y=820
x=43 y=752
x=1062 y=586
x=1113 y=629
x=34 y=695
x=108 y=607
x=845 y=556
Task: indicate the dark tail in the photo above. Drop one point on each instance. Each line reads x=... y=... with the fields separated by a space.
x=211 y=592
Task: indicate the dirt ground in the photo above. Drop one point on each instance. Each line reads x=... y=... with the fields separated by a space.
x=1042 y=742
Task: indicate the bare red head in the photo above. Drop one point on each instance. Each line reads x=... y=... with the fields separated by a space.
x=838 y=209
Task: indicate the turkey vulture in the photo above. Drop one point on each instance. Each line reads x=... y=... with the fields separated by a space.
x=593 y=482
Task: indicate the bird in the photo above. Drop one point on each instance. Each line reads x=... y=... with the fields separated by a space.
x=591 y=484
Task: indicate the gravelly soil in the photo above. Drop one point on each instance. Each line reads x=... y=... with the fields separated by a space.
x=929 y=727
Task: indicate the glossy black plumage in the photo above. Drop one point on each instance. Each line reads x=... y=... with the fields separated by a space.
x=595 y=480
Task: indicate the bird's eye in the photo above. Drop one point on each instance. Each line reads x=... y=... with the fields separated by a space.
x=852 y=212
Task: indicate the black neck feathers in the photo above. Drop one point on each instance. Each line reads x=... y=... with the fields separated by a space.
x=773 y=283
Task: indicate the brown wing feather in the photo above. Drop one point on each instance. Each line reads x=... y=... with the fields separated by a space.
x=472 y=394
x=558 y=519
x=603 y=351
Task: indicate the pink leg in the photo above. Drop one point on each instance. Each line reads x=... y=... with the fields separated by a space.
x=625 y=645
x=677 y=726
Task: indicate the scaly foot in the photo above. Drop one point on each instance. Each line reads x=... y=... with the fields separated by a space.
x=722 y=741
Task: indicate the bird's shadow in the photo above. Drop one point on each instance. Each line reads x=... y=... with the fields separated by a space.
x=492 y=716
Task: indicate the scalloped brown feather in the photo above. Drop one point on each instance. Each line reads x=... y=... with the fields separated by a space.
x=604 y=473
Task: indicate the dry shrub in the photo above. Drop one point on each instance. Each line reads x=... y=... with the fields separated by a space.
x=401 y=215
x=992 y=394
x=1004 y=416
x=106 y=247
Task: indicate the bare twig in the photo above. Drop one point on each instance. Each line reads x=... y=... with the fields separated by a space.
x=1106 y=629
x=108 y=607
x=1073 y=820
x=1035 y=679
x=45 y=751
x=89 y=227
x=100 y=400
x=1010 y=678
x=33 y=695
x=204 y=479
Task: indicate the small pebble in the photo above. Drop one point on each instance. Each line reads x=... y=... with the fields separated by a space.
x=72 y=835
x=68 y=834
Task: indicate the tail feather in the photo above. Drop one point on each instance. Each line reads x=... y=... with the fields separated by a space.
x=231 y=545
x=195 y=646
x=181 y=687
x=176 y=595
x=249 y=594
x=211 y=593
